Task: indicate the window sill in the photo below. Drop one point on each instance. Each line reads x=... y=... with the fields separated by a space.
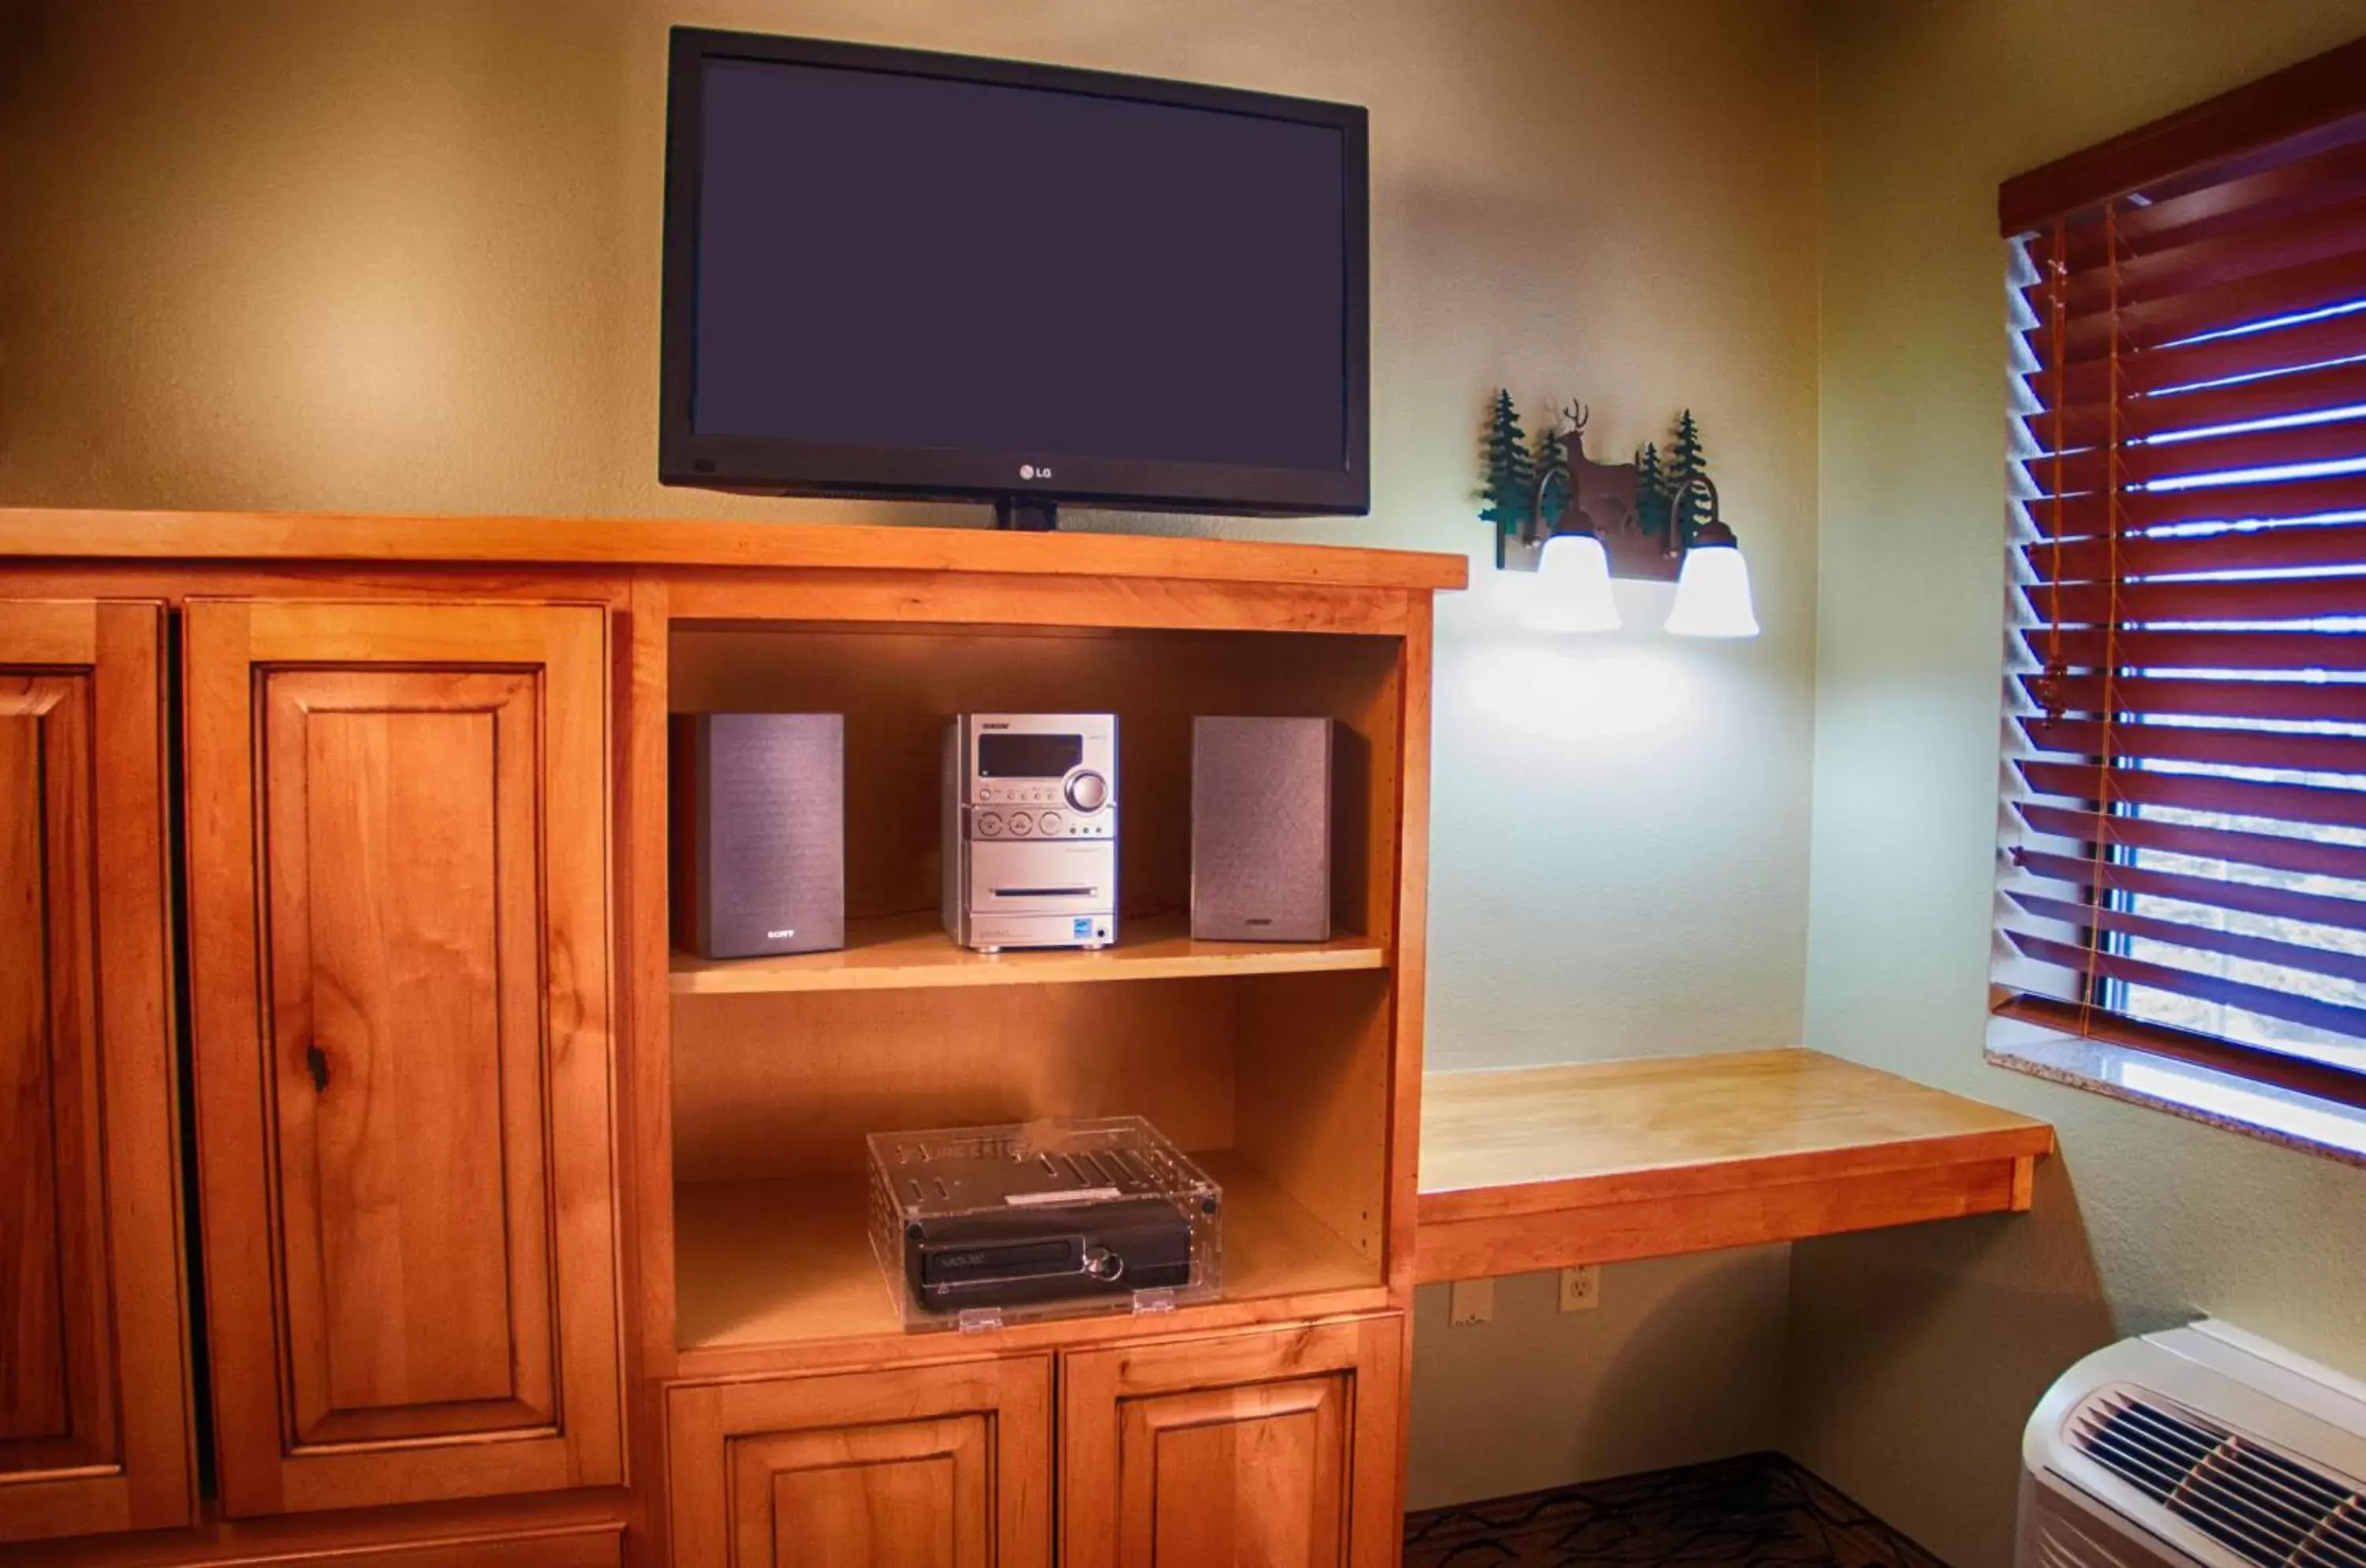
x=2282 y=1116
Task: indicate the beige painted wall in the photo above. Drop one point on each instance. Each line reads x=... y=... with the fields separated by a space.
x=1682 y=1361
x=1916 y=1355
x=402 y=256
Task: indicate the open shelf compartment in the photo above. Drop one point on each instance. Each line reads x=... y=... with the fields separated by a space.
x=1277 y=1084
x=1268 y=1063
x=782 y=1261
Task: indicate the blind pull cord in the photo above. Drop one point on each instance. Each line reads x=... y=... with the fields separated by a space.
x=2051 y=684
x=2101 y=848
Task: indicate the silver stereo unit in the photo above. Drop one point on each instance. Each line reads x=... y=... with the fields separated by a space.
x=1031 y=830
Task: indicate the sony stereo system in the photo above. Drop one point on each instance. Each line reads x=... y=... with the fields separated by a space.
x=1030 y=844
x=1031 y=830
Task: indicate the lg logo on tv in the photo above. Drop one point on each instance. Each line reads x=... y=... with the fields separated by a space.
x=1035 y=472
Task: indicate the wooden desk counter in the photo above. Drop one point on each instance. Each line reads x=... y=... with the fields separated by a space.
x=1528 y=1168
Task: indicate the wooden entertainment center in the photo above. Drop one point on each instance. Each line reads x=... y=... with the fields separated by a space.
x=379 y=1184
x=519 y=1237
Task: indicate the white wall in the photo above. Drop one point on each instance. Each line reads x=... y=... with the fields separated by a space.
x=401 y=255
x=1916 y=1355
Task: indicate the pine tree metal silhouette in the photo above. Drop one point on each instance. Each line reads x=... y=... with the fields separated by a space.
x=1685 y=462
x=1551 y=481
x=1650 y=492
x=1510 y=484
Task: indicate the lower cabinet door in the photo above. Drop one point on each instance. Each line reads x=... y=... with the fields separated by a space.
x=1275 y=1448
x=398 y=884
x=920 y=1467
x=94 y=1402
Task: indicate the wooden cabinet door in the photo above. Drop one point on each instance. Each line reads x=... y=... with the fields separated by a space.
x=397 y=873
x=1273 y=1449
x=920 y=1467
x=94 y=1402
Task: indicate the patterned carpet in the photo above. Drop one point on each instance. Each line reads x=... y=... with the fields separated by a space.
x=1758 y=1511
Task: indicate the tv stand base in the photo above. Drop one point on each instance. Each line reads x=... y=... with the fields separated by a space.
x=1026 y=514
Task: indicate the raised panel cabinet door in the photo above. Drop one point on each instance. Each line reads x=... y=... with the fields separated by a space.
x=1273 y=1449
x=397 y=871
x=94 y=1401
x=917 y=1467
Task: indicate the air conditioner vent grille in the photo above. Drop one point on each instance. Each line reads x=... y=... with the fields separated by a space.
x=2259 y=1504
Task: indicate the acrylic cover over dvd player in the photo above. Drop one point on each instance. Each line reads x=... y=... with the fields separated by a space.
x=975 y=1225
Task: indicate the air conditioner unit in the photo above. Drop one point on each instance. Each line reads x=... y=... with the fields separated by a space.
x=2202 y=1444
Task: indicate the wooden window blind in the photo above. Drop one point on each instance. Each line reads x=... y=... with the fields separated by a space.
x=2184 y=837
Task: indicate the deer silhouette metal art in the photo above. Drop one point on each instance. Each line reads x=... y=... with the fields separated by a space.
x=1575 y=493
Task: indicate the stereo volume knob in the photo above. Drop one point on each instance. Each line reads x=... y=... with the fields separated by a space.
x=1088 y=792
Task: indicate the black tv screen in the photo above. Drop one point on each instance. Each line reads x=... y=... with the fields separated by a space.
x=891 y=273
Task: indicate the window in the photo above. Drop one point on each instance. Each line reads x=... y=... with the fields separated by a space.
x=2185 y=832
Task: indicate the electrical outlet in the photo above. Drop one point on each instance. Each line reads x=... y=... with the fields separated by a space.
x=1469 y=1302
x=1580 y=1288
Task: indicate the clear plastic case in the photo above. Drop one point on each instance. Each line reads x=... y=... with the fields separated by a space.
x=976 y=1227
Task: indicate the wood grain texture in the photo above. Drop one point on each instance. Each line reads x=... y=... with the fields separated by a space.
x=1542 y=1167
x=48 y=1230
x=412 y=1225
x=2297 y=99
x=789 y=1262
x=581 y=1530
x=645 y=1099
x=915 y=1493
x=1311 y=1097
x=94 y=1394
x=1409 y=886
x=602 y=1548
x=173 y=584
x=1294 y=1072
x=1618 y=1232
x=401 y=837
x=91 y=535
x=1277 y=1448
x=1408 y=1042
x=1249 y=1474
x=777 y=1086
x=944 y=1466
x=912 y=951
x=938 y=599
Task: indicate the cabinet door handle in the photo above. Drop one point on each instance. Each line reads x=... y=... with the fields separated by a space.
x=316 y=1061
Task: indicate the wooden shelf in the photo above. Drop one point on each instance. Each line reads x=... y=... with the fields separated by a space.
x=910 y=952
x=185 y=537
x=1543 y=1167
x=788 y=1261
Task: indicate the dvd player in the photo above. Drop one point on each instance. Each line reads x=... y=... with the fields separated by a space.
x=1103 y=1247
x=994 y=1218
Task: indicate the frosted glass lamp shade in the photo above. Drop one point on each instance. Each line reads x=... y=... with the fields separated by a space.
x=1713 y=594
x=1572 y=587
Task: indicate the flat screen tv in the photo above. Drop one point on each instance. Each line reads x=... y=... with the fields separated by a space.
x=891 y=273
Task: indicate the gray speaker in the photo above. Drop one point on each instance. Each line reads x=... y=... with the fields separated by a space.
x=759 y=809
x=1261 y=829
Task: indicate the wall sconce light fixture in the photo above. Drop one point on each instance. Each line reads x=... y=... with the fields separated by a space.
x=1577 y=524
x=1713 y=584
x=1572 y=590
